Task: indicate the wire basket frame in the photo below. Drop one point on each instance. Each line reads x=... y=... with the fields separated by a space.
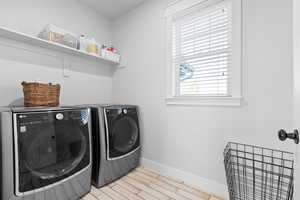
x=257 y=173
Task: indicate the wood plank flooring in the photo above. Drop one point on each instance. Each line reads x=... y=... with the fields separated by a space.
x=144 y=184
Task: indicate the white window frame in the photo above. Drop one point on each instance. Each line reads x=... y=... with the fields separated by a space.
x=184 y=7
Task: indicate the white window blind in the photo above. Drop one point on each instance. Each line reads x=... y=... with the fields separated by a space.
x=202 y=51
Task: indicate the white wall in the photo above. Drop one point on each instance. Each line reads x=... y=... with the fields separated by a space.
x=88 y=83
x=192 y=138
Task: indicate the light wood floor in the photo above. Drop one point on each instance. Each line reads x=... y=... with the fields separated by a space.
x=144 y=184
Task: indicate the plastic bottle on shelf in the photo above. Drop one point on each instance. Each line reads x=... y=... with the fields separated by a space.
x=102 y=51
x=92 y=47
x=82 y=43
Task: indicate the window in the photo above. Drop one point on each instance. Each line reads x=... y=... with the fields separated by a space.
x=204 y=52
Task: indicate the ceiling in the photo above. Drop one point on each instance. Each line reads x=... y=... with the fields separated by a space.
x=112 y=9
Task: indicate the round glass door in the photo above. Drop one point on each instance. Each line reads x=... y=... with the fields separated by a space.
x=53 y=155
x=125 y=134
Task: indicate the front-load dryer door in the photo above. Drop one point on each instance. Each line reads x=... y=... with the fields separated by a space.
x=50 y=147
x=122 y=132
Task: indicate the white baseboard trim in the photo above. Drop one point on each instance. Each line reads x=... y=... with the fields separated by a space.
x=189 y=178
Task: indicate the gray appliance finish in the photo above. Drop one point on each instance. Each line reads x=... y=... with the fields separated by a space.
x=69 y=184
x=107 y=165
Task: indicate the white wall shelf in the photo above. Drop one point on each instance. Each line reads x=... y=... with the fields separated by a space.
x=35 y=41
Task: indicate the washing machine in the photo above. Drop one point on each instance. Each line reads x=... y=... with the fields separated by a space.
x=45 y=153
x=116 y=142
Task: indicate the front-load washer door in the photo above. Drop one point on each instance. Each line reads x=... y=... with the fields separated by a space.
x=50 y=148
x=123 y=134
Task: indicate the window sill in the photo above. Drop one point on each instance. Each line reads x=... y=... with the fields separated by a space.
x=205 y=101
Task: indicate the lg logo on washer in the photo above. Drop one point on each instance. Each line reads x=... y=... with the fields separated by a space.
x=59 y=116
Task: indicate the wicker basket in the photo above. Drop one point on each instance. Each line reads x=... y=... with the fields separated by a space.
x=38 y=94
